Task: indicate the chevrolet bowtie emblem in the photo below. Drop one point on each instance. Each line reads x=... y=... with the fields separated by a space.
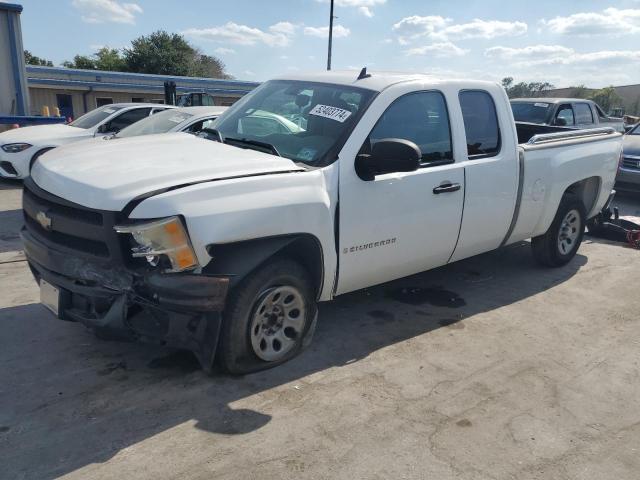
x=44 y=220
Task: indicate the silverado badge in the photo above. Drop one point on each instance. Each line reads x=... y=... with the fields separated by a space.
x=44 y=220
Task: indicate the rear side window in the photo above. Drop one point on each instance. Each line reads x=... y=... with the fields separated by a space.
x=480 y=123
x=583 y=113
x=422 y=118
x=127 y=118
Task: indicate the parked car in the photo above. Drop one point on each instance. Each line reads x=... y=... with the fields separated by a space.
x=224 y=248
x=186 y=119
x=19 y=148
x=563 y=112
x=629 y=172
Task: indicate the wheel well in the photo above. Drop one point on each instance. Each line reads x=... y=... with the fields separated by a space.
x=586 y=190
x=238 y=259
x=36 y=155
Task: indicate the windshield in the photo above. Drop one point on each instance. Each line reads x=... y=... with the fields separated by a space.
x=302 y=121
x=94 y=117
x=159 y=123
x=532 y=112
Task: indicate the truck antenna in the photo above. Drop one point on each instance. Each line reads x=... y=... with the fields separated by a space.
x=363 y=74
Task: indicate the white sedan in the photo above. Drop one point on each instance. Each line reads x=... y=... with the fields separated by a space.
x=19 y=148
x=186 y=119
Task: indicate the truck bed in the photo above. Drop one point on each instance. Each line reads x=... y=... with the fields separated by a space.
x=549 y=163
x=527 y=130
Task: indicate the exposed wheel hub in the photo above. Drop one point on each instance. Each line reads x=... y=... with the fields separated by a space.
x=569 y=231
x=277 y=323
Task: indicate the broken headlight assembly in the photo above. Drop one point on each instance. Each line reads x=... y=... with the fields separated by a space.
x=15 y=147
x=165 y=238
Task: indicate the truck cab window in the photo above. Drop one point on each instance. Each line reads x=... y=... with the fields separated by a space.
x=421 y=118
x=480 y=123
x=583 y=114
x=565 y=116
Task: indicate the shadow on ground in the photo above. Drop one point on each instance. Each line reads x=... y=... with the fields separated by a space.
x=69 y=400
x=10 y=224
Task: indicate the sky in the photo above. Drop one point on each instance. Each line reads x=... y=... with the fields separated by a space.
x=564 y=42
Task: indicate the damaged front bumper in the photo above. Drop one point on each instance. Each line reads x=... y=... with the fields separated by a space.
x=181 y=310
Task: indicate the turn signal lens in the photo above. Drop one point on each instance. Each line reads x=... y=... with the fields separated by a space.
x=166 y=237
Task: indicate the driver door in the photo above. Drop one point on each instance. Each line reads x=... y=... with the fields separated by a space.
x=402 y=223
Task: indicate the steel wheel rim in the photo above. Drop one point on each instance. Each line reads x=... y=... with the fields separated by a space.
x=277 y=322
x=570 y=228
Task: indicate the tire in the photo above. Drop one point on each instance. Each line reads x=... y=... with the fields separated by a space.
x=563 y=238
x=252 y=341
x=36 y=156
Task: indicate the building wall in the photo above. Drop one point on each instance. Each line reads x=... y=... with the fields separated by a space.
x=48 y=96
x=14 y=96
x=85 y=86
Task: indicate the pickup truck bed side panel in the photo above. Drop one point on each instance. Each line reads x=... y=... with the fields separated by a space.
x=228 y=211
x=550 y=169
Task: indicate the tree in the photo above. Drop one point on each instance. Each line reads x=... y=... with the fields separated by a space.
x=579 y=91
x=165 y=53
x=80 y=61
x=31 y=59
x=208 y=66
x=523 y=89
x=160 y=53
x=607 y=98
x=107 y=59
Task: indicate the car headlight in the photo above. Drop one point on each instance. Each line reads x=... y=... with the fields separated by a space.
x=166 y=237
x=15 y=147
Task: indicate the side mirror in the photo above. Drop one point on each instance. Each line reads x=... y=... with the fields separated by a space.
x=389 y=155
x=561 y=122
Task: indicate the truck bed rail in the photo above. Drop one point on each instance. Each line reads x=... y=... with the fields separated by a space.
x=544 y=138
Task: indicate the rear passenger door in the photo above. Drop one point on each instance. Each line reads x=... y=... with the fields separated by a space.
x=584 y=115
x=405 y=222
x=491 y=172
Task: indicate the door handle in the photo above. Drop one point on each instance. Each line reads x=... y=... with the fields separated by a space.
x=446 y=188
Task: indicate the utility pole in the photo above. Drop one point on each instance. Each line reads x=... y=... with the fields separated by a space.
x=330 y=37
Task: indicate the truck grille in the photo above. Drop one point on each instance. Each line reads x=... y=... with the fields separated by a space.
x=632 y=163
x=68 y=227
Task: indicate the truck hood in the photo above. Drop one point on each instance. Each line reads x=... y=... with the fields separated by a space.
x=107 y=175
x=42 y=134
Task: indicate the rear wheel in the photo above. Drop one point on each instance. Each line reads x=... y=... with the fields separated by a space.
x=269 y=318
x=561 y=241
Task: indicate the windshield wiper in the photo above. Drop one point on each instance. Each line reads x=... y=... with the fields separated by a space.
x=254 y=143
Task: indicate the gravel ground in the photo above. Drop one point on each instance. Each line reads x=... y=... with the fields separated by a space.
x=490 y=368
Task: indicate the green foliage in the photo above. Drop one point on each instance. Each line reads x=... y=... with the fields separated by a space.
x=107 y=59
x=159 y=53
x=579 y=91
x=525 y=90
x=607 y=98
x=31 y=59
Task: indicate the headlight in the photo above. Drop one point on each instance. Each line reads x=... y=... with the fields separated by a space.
x=15 y=147
x=166 y=237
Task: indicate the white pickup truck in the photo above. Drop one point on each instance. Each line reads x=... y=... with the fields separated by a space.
x=227 y=246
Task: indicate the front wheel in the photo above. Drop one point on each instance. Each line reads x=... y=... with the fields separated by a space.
x=561 y=241
x=269 y=318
